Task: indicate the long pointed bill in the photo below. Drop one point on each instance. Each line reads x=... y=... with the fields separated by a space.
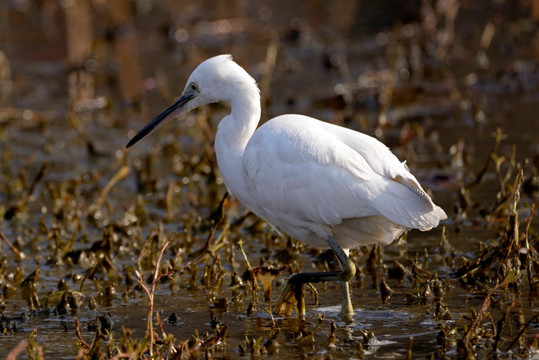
x=161 y=119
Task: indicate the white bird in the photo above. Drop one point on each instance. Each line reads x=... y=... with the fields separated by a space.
x=322 y=184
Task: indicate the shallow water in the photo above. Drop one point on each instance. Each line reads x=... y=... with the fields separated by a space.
x=437 y=107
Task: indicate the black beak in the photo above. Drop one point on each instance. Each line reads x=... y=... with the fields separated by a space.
x=175 y=109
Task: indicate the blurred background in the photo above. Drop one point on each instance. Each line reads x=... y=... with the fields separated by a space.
x=445 y=84
x=118 y=63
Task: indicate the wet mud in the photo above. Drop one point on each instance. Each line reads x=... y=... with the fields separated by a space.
x=107 y=253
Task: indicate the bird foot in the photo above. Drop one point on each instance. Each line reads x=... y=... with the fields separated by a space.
x=347 y=313
x=291 y=298
x=347 y=310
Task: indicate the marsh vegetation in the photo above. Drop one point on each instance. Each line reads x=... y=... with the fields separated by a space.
x=109 y=254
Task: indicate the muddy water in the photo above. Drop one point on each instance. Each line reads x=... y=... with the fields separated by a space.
x=75 y=88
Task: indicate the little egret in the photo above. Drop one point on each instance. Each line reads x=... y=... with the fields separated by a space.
x=322 y=184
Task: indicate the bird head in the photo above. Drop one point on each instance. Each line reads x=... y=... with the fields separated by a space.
x=216 y=79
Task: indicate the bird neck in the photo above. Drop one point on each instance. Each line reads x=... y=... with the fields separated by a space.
x=236 y=129
x=233 y=134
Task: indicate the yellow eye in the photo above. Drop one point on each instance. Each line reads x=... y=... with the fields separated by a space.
x=193 y=87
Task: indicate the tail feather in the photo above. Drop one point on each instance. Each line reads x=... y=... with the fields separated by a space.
x=405 y=203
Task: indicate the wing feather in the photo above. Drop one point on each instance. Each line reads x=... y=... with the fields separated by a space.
x=307 y=171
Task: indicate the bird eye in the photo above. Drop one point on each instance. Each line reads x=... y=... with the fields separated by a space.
x=193 y=87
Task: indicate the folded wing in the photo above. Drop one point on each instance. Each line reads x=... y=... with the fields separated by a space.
x=305 y=171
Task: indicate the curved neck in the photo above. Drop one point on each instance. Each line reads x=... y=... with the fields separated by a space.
x=238 y=127
x=233 y=134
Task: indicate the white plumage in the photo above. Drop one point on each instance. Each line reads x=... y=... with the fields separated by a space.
x=322 y=184
x=311 y=178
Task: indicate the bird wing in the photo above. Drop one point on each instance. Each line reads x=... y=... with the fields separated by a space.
x=379 y=158
x=413 y=208
x=309 y=171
